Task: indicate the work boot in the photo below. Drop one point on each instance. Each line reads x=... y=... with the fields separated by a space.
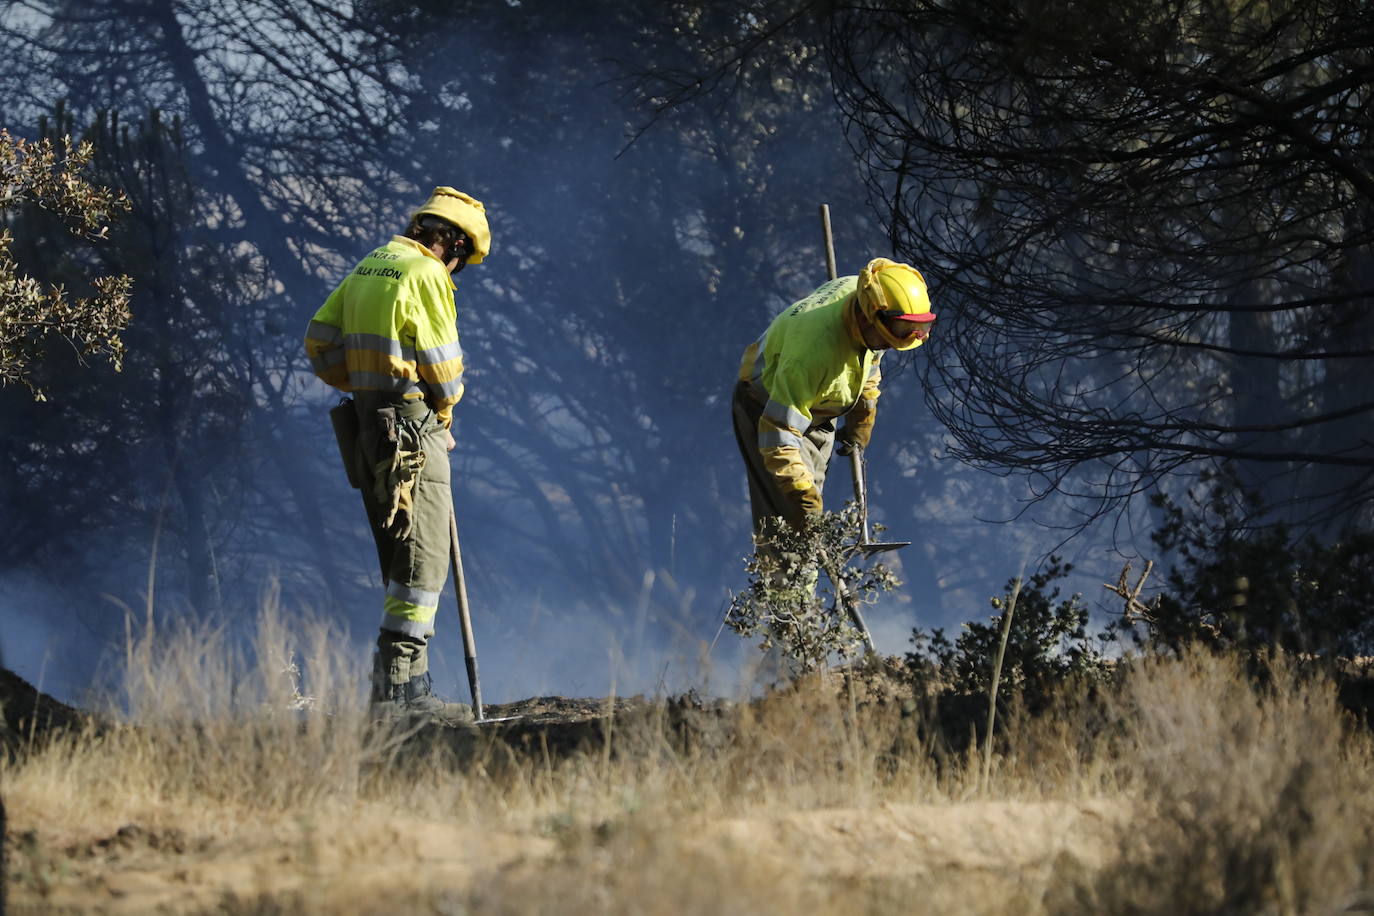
x=413 y=697
x=420 y=699
x=416 y=698
x=401 y=684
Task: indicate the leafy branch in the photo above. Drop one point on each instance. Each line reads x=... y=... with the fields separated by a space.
x=805 y=616
x=40 y=174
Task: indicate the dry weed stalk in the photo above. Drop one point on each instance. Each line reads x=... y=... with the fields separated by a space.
x=1005 y=631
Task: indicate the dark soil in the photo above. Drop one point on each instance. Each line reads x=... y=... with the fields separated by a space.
x=550 y=726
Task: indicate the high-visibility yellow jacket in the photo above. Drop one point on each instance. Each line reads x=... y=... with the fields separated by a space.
x=811 y=365
x=391 y=326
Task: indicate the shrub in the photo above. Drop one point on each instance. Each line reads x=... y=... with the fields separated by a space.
x=806 y=617
x=1048 y=644
x=1254 y=586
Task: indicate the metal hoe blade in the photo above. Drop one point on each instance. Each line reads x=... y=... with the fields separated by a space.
x=873 y=547
x=856 y=466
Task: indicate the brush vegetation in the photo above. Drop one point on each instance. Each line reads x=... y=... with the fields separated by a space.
x=245 y=779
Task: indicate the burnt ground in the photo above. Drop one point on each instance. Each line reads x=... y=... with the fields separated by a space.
x=549 y=725
x=555 y=726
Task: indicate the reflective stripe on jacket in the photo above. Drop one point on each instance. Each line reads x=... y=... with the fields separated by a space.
x=811 y=366
x=391 y=326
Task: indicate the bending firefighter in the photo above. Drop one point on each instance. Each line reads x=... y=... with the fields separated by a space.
x=388 y=335
x=818 y=361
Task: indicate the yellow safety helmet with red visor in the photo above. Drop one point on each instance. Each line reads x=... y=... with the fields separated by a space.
x=889 y=290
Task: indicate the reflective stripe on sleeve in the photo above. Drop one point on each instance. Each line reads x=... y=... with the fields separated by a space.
x=441 y=368
x=440 y=354
x=783 y=415
x=324 y=361
x=323 y=332
x=778 y=438
x=376 y=343
x=445 y=392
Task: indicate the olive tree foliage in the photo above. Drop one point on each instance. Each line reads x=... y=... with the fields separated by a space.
x=53 y=175
x=1150 y=224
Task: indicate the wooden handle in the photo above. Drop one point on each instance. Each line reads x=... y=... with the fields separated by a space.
x=856 y=467
x=464 y=617
x=829 y=242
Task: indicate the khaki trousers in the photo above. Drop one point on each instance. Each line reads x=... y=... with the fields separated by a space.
x=765 y=499
x=413 y=551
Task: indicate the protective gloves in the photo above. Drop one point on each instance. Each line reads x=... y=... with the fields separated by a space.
x=852 y=438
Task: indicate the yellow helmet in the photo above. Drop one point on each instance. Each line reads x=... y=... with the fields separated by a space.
x=892 y=290
x=465 y=212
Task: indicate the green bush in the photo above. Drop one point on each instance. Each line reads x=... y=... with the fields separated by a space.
x=1047 y=646
x=1242 y=583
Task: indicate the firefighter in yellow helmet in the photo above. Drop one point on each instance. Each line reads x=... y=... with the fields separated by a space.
x=388 y=335
x=817 y=362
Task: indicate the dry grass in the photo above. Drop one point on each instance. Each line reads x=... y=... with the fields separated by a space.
x=1186 y=789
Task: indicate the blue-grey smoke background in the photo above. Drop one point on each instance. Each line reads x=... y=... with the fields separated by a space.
x=603 y=510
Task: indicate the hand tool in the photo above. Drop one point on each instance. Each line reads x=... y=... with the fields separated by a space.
x=465 y=618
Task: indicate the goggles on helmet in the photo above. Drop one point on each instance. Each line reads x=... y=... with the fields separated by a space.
x=900 y=330
x=913 y=318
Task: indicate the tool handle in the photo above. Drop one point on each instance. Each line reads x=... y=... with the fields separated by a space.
x=464 y=616
x=475 y=683
x=829 y=242
x=851 y=607
x=856 y=469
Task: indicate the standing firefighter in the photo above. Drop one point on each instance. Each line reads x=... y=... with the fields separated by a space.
x=818 y=361
x=388 y=334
